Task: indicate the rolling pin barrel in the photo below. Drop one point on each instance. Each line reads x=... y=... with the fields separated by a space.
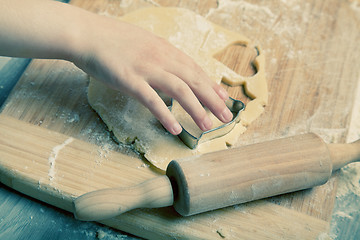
x=239 y=175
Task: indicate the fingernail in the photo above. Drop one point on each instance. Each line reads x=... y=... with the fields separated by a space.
x=223 y=94
x=176 y=129
x=226 y=115
x=206 y=124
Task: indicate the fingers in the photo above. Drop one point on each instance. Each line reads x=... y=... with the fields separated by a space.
x=179 y=90
x=223 y=94
x=209 y=93
x=182 y=79
x=150 y=99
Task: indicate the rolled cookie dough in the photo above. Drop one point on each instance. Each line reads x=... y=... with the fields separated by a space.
x=132 y=123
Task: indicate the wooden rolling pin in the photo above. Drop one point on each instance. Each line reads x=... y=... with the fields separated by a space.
x=216 y=180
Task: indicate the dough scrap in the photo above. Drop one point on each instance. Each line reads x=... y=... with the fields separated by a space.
x=132 y=123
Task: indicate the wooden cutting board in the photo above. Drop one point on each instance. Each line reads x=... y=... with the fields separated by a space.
x=311 y=50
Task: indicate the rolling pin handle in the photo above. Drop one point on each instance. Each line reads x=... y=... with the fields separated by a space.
x=108 y=203
x=343 y=154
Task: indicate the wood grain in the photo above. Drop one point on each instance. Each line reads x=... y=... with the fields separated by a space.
x=80 y=167
x=311 y=52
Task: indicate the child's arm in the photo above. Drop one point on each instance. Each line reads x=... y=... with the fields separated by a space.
x=121 y=55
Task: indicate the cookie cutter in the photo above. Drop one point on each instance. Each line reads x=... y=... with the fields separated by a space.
x=235 y=106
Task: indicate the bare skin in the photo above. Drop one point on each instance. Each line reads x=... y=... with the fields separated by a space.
x=125 y=57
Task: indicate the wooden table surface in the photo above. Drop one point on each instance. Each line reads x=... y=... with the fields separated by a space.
x=312 y=57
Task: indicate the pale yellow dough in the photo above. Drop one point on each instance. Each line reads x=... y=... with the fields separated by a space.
x=133 y=123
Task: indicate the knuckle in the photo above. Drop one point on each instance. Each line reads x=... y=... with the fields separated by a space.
x=148 y=98
x=193 y=65
x=197 y=83
x=151 y=102
x=218 y=107
x=135 y=87
x=142 y=69
x=181 y=90
x=201 y=114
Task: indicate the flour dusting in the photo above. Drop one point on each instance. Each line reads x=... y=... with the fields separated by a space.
x=53 y=155
x=347 y=205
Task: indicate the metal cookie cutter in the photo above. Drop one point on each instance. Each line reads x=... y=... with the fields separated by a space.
x=235 y=106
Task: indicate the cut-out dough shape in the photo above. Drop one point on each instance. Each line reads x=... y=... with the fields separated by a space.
x=132 y=123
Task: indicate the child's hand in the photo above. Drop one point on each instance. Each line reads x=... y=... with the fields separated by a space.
x=136 y=62
x=121 y=55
